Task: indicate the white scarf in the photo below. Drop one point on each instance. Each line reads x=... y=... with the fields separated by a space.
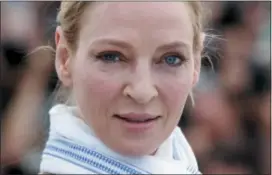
x=72 y=148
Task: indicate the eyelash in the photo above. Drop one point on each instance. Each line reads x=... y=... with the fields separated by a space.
x=101 y=56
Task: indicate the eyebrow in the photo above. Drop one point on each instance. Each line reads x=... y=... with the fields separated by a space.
x=115 y=42
x=175 y=45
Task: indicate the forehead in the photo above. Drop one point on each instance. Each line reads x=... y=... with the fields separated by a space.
x=164 y=20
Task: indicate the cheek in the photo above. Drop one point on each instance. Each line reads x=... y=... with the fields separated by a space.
x=177 y=96
x=94 y=87
x=175 y=91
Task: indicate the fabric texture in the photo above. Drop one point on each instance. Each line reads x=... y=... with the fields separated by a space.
x=73 y=148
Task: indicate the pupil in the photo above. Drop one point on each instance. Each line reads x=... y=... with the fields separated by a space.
x=170 y=60
x=110 y=57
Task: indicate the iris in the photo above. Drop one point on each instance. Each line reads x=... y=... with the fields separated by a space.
x=172 y=60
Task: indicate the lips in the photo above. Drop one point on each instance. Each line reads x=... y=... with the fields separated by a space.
x=136 y=118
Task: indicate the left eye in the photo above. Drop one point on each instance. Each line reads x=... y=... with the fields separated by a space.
x=109 y=57
x=172 y=60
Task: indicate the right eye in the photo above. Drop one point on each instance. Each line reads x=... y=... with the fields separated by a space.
x=109 y=57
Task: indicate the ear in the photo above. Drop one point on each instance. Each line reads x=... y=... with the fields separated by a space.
x=63 y=60
x=195 y=77
x=197 y=66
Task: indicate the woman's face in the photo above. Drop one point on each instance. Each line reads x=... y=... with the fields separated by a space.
x=133 y=71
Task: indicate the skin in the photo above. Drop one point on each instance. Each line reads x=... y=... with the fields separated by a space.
x=141 y=81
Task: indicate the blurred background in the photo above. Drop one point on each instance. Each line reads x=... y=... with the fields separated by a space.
x=229 y=127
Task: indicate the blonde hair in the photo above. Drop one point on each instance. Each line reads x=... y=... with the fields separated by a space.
x=69 y=16
x=70 y=13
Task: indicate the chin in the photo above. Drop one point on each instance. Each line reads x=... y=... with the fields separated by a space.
x=136 y=150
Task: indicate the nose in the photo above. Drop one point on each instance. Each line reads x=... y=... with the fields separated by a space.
x=141 y=88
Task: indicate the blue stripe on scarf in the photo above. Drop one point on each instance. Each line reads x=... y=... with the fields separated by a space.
x=83 y=159
x=93 y=157
x=73 y=162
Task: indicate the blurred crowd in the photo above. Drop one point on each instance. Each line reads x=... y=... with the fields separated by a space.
x=229 y=127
